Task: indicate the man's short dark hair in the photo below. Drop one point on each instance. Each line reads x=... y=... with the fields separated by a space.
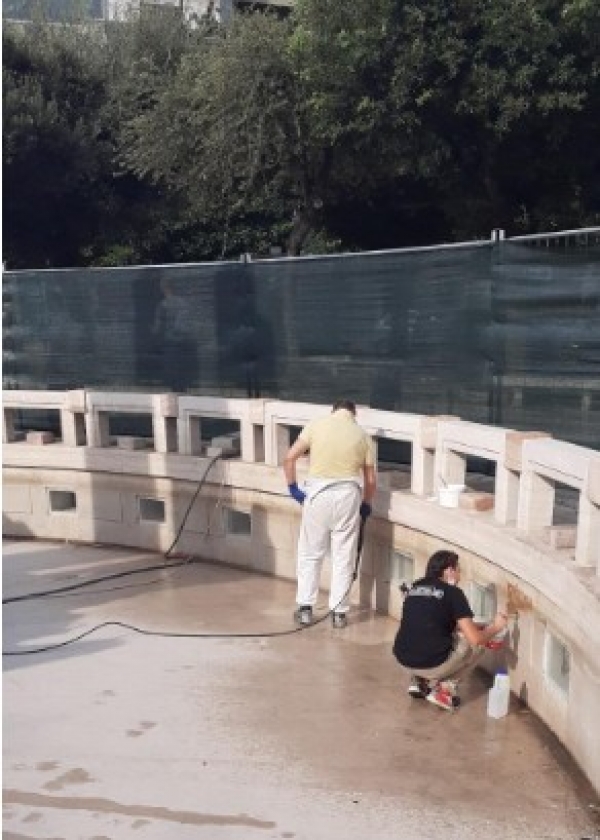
x=439 y=562
x=347 y=404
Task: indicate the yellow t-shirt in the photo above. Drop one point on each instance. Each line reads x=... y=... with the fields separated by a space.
x=339 y=448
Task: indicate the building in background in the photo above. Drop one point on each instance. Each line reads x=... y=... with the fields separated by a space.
x=61 y=10
x=228 y=7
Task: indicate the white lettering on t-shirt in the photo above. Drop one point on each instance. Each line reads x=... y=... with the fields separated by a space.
x=427 y=591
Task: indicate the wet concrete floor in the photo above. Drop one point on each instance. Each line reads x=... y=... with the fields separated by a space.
x=306 y=736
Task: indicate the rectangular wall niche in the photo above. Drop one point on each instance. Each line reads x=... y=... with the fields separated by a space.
x=558 y=663
x=482 y=597
x=62 y=500
x=237 y=522
x=402 y=568
x=152 y=510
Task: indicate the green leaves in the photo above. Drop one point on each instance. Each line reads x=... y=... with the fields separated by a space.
x=352 y=123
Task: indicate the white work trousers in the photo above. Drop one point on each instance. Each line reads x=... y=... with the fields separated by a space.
x=330 y=523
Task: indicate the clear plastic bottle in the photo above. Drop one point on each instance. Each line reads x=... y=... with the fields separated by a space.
x=499 y=696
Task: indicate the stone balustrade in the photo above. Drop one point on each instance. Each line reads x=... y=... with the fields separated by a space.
x=527 y=464
x=71 y=406
x=163 y=409
x=418 y=430
x=457 y=440
x=546 y=463
x=250 y=414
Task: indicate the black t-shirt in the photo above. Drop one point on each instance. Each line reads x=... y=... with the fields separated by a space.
x=431 y=610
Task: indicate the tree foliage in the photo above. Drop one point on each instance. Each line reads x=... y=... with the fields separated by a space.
x=53 y=153
x=376 y=123
x=220 y=136
x=491 y=91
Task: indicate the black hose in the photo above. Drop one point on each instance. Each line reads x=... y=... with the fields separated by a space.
x=81 y=584
x=180 y=635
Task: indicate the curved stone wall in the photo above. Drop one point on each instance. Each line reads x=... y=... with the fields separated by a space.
x=519 y=547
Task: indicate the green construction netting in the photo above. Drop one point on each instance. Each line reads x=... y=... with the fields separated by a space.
x=503 y=333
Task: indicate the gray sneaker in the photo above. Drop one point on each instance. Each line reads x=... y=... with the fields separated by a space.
x=419 y=687
x=339 y=620
x=303 y=616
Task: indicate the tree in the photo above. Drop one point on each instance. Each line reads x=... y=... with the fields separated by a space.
x=270 y=122
x=491 y=94
x=376 y=123
x=141 y=56
x=220 y=135
x=52 y=88
x=67 y=90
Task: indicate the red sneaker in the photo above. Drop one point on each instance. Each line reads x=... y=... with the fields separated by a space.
x=443 y=696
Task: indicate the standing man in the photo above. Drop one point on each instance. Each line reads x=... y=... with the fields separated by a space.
x=438 y=640
x=341 y=473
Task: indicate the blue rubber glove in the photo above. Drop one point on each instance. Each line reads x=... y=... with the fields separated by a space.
x=365 y=510
x=296 y=493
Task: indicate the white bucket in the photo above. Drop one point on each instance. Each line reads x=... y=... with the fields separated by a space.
x=448 y=495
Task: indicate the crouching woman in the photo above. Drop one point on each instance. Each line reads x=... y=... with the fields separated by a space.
x=438 y=641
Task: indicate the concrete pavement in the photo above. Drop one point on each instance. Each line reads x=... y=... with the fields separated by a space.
x=309 y=736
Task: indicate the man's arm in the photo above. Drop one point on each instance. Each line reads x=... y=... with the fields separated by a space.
x=480 y=636
x=297 y=450
x=370 y=484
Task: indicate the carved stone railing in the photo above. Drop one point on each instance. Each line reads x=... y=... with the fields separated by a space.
x=546 y=463
x=527 y=464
